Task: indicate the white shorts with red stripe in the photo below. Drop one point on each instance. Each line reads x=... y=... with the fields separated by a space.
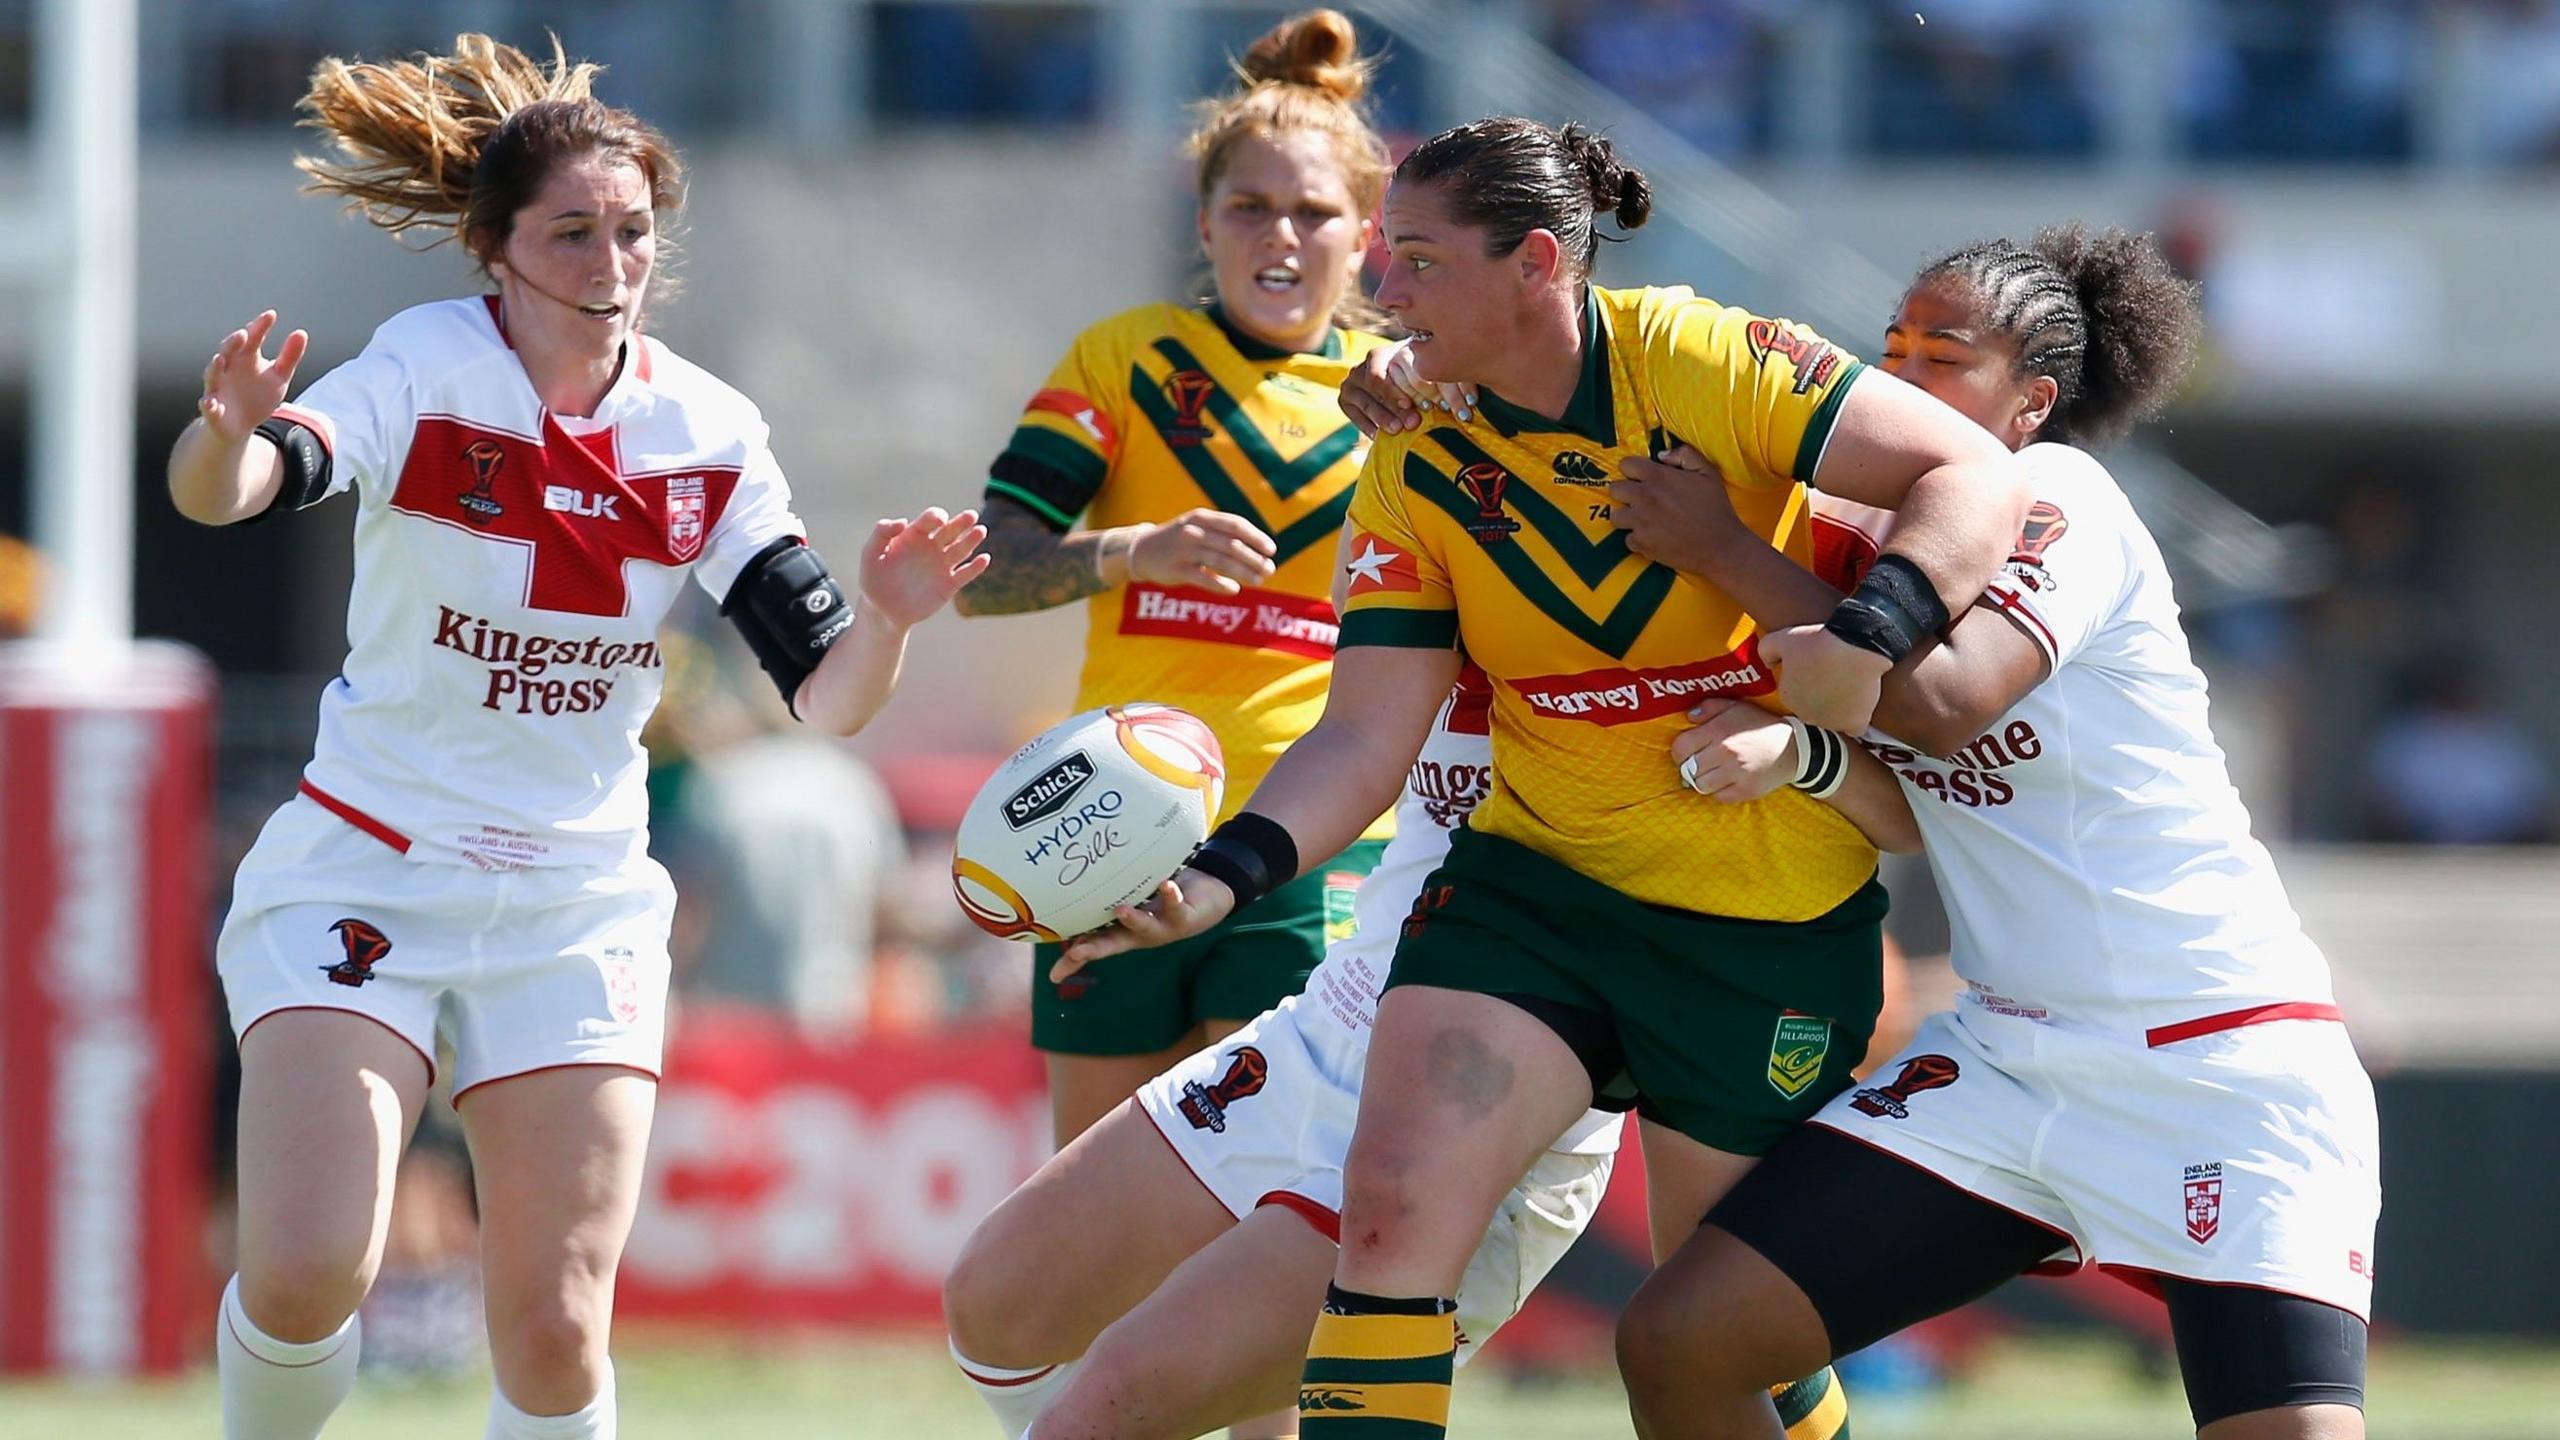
x=1264 y=1117
x=513 y=970
x=2238 y=1149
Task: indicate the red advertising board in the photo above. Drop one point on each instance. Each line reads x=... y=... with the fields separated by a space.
x=105 y=1029
x=793 y=1183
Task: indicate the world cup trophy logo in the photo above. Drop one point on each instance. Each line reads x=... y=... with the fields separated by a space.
x=486 y=458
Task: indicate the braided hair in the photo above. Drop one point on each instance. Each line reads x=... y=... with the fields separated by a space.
x=2098 y=312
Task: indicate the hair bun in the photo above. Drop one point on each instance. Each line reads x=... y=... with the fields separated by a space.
x=1318 y=49
x=1618 y=190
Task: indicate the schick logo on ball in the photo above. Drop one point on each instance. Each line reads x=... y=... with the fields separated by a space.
x=1048 y=792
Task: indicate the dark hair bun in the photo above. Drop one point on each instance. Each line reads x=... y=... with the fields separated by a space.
x=1318 y=49
x=1618 y=190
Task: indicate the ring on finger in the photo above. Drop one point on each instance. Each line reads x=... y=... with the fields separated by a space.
x=1689 y=772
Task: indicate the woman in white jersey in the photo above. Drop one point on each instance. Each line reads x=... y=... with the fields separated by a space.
x=465 y=866
x=1159 y=1276
x=2145 y=1070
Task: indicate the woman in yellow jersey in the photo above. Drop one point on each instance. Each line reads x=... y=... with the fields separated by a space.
x=1185 y=471
x=1598 y=928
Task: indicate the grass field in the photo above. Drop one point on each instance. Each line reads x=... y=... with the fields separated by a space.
x=692 y=1387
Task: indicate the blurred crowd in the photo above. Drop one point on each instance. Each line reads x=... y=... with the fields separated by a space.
x=2250 y=80
x=2246 y=80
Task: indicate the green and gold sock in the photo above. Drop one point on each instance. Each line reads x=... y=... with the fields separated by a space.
x=1378 y=1367
x=1813 y=1408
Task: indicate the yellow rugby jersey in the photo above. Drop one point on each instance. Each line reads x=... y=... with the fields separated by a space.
x=1495 y=533
x=1164 y=409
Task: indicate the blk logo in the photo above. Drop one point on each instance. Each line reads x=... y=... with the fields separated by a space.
x=571 y=501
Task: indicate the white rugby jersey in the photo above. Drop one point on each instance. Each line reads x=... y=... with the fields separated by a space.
x=1451 y=774
x=2096 y=862
x=511 y=570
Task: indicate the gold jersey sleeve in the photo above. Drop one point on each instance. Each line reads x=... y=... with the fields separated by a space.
x=1166 y=409
x=1494 y=533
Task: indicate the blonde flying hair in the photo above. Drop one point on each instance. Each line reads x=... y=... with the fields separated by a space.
x=1305 y=75
x=458 y=143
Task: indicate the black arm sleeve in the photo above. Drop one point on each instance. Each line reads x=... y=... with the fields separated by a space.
x=306 y=466
x=790 y=610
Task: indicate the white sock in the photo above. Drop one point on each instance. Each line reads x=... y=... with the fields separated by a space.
x=273 y=1390
x=1016 y=1396
x=596 y=1422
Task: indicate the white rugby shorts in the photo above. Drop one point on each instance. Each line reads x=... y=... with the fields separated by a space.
x=514 y=970
x=1264 y=1117
x=2240 y=1156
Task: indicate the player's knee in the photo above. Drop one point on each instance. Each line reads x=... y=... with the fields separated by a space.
x=1379 y=1204
x=993 y=1317
x=304 y=1294
x=1669 y=1335
x=555 y=1350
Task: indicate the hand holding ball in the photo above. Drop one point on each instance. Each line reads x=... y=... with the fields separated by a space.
x=1096 y=812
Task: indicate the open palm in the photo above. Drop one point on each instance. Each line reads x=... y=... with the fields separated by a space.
x=242 y=387
x=911 y=568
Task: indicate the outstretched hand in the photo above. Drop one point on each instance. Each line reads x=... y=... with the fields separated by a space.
x=1182 y=907
x=242 y=387
x=912 y=568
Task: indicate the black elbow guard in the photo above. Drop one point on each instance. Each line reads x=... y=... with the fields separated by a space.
x=790 y=610
x=306 y=464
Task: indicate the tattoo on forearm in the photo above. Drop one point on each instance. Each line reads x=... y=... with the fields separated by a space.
x=1033 y=567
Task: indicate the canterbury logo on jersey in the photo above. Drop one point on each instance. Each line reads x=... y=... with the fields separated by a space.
x=1575 y=468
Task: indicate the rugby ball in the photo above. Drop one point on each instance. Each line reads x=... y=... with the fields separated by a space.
x=1095 y=813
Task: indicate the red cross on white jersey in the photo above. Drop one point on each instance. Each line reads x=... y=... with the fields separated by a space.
x=563 y=499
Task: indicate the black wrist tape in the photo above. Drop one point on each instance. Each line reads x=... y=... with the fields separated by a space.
x=1892 y=611
x=1250 y=855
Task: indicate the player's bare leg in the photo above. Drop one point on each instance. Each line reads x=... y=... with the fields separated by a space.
x=1280 y=1423
x=1085 y=1088
x=557 y=1155
x=1683 y=1180
x=327 y=1101
x=2293 y=1422
x=1238 y=1313
x=1079 y=1245
x=1461 y=1095
x=1706 y=1337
